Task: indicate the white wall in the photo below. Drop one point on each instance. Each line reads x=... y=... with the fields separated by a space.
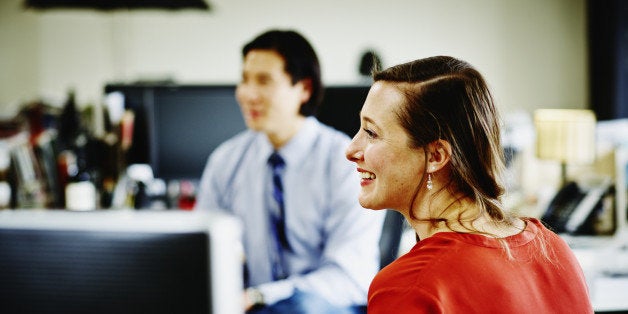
x=533 y=52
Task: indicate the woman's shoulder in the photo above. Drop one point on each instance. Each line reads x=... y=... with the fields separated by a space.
x=424 y=259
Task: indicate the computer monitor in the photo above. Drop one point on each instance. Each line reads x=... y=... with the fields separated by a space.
x=341 y=105
x=179 y=126
x=119 y=261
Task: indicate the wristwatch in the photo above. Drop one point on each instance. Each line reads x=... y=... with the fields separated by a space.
x=255 y=296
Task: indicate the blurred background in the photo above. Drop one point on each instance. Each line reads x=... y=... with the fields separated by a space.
x=533 y=53
x=98 y=78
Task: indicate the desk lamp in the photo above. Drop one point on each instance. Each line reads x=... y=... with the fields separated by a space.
x=565 y=135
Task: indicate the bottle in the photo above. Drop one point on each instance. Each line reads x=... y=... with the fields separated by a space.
x=75 y=159
x=80 y=190
x=69 y=122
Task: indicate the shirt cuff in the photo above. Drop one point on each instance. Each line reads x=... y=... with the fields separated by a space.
x=276 y=291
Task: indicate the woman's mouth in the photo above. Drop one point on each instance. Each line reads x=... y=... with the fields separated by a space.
x=366 y=177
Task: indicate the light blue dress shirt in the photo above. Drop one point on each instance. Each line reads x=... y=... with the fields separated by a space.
x=334 y=240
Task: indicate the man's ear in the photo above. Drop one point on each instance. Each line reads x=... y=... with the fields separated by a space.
x=306 y=85
x=439 y=155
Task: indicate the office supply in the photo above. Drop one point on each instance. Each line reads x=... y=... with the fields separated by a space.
x=574 y=208
x=592 y=211
x=566 y=136
x=119 y=261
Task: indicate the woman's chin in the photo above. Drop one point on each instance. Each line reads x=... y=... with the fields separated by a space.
x=369 y=204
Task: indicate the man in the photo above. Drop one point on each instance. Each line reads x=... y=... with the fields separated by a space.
x=309 y=246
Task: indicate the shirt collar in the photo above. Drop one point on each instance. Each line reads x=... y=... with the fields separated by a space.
x=298 y=146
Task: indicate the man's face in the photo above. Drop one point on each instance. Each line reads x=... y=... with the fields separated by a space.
x=269 y=101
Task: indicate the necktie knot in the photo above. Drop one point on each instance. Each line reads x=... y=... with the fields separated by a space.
x=276 y=161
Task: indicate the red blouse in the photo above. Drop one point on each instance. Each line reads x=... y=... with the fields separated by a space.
x=469 y=273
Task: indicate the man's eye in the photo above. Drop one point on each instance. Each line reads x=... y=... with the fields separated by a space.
x=264 y=80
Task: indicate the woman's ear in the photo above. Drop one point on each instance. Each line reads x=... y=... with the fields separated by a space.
x=439 y=155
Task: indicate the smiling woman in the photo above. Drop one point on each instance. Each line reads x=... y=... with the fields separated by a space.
x=429 y=147
x=389 y=170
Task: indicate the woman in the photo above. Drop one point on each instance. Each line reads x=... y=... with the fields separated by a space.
x=429 y=148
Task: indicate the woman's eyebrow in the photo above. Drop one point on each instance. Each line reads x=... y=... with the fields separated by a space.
x=369 y=120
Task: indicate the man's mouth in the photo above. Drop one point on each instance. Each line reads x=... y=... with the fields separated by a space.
x=254 y=114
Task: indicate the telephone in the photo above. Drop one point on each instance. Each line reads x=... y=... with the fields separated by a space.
x=579 y=208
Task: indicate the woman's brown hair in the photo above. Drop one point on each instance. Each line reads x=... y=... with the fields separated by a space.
x=448 y=99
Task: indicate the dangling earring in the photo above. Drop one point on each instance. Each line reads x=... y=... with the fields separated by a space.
x=430 y=184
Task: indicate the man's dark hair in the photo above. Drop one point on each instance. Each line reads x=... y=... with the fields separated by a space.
x=300 y=60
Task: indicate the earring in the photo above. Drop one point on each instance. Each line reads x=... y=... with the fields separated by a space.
x=430 y=184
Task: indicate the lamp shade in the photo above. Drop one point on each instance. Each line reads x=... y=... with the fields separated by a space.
x=565 y=135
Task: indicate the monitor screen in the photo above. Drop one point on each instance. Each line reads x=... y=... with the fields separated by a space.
x=177 y=127
x=341 y=107
x=119 y=262
x=187 y=124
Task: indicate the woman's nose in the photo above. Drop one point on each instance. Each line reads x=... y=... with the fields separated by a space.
x=353 y=153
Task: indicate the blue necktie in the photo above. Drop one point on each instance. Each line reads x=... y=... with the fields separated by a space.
x=278 y=218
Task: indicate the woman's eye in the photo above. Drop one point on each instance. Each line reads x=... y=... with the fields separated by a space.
x=370 y=133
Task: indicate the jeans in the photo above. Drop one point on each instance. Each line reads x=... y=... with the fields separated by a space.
x=307 y=303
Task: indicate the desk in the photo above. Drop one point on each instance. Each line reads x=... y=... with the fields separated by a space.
x=610 y=294
x=605 y=265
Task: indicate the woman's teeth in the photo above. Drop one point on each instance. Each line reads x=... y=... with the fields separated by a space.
x=367 y=175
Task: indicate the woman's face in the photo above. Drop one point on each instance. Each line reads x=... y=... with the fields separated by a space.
x=390 y=170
